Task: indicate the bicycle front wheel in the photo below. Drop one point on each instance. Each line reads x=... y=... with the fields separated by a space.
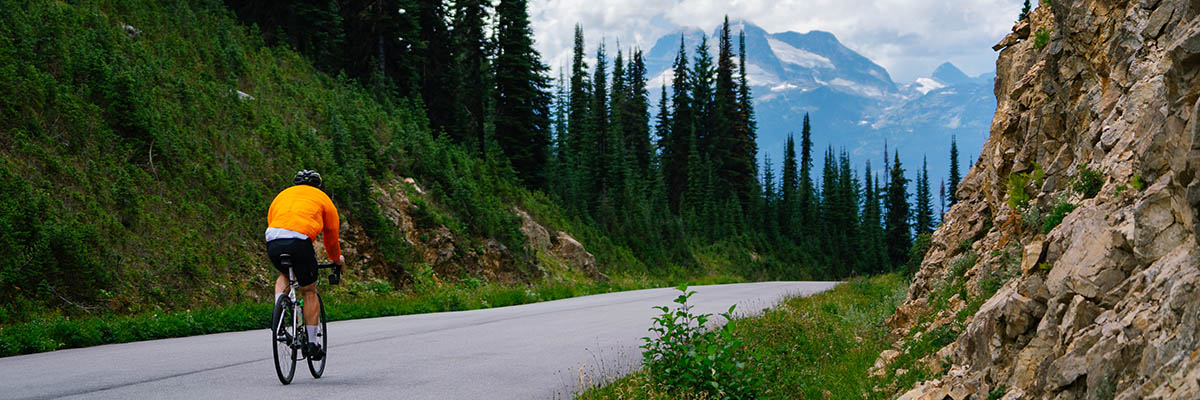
x=318 y=367
x=283 y=334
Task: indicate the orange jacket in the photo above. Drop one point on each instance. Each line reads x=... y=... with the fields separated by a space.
x=307 y=210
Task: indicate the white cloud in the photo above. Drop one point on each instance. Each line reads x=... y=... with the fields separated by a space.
x=908 y=37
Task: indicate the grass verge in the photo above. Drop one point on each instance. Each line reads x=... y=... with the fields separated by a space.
x=354 y=300
x=808 y=347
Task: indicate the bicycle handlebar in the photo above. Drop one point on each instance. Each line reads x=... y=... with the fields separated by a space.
x=336 y=277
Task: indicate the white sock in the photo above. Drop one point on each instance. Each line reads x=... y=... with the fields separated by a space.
x=312 y=333
x=277 y=296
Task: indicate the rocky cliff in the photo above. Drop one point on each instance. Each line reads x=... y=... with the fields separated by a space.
x=451 y=255
x=1096 y=127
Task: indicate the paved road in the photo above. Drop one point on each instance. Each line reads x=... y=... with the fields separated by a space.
x=533 y=351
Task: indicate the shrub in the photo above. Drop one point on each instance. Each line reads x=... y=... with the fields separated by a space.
x=684 y=356
x=1137 y=182
x=1031 y=217
x=1057 y=214
x=1017 y=196
x=47 y=256
x=1041 y=38
x=1087 y=182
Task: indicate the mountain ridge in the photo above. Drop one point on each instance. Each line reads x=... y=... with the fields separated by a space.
x=852 y=101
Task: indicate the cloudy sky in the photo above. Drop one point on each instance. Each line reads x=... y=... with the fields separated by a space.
x=908 y=37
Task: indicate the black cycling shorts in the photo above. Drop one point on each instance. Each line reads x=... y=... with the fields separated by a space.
x=304 y=258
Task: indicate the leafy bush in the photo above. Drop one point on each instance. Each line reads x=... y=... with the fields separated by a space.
x=1137 y=182
x=1017 y=196
x=1031 y=216
x=1087 y=182
x=46 y=256
x=815 y=347
x=686 y=356
x=1041 y=38
x=1056 y=215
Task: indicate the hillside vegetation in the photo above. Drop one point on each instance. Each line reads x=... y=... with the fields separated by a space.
x=143 y=142
x=136 y=174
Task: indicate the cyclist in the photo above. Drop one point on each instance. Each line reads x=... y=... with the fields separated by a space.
x=297 y=215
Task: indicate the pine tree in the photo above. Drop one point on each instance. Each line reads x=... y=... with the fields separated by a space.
x=635 y=114
x=942 y=198
x=873 y=255
x=702 y=98
x=955 y=177
x=662 y=128
x=580 y=132
x=898 y=233
x=677 y=146
x=319 y=31
x=617 y=157
x=472 y=72
x=806 y=207
x=692 y=203
x=924 y=206
x=887 y=167
x=1024 y=12
x=747 y=103
x=522 y=99
x=734 y=150
x=848 y=217
x=725 y=117
x=790 y=195
x=434 y=50
x=561 y=170
x=769 y=217
x=598 y=145
x=617 y=92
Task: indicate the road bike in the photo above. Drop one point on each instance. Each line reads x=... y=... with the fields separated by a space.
x=288 y=335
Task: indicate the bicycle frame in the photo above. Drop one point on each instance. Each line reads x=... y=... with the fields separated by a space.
x=297 y=303
x=296 y=338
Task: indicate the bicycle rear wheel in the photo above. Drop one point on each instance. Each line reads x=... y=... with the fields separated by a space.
x=318 y=367
x=283 y=333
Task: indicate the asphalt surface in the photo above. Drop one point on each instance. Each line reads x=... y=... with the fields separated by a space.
x=534 y=351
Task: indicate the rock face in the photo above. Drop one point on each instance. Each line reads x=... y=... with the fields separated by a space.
x=561 y=247
x=428 y=241
x=1106 y=304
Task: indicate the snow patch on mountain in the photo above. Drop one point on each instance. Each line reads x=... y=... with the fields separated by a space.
x=791 y=55
x=853 y=102
x=926 y=85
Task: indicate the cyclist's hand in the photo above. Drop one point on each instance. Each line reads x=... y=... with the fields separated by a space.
x=341 y=260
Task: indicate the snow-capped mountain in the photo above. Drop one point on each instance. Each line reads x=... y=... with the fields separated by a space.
x=852 y=102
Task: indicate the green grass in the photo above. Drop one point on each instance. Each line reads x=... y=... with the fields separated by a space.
x=353 y=300
x=808 y=347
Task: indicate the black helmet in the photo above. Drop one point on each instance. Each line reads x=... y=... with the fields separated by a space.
x=308 y=177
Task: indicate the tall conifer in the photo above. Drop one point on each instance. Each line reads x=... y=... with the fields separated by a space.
x=955 y=177
x=898 y=232
x=677 y=146
x=522 y=97
x=924 y=206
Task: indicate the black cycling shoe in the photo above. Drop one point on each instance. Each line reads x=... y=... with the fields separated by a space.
x=314 y=351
